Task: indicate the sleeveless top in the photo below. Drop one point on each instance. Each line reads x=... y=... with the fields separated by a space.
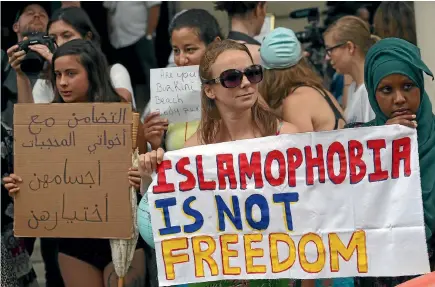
x=178 y=133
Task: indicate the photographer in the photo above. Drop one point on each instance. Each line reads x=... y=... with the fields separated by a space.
x=16 y=86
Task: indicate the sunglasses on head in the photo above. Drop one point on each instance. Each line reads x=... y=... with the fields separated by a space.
x=233 y=78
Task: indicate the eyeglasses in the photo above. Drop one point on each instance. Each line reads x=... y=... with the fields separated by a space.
x=233 y=78
x=330 y=49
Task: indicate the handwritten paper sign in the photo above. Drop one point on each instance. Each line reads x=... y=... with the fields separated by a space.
x=313 y=205
x=176 y=93
x=73 y=159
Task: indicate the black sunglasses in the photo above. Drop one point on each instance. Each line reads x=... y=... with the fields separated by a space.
x=233 y=78
x=329 y=50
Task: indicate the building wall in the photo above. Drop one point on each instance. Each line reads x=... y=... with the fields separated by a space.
x=424 y=13
x=281 y=10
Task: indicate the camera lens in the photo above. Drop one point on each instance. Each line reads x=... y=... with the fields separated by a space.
x=32 y=63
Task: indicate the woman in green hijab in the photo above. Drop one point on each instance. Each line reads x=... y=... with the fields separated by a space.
x=393 y=74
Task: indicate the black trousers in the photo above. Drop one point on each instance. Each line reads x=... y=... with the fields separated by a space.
x=138 y=59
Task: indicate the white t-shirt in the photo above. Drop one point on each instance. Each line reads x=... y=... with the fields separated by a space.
x=358 y=107
x=43 y=93
x=127 y=21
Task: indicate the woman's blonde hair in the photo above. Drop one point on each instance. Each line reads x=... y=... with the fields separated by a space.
x=352 y=29
x=395 y=19
x=210 y=123
x=277 y=84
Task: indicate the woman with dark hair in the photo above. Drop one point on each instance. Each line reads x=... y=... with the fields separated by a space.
x=247 y=19
x=191 y=23
x=65 y=25
x=80 y=75
x=191 y=32
x=97 y=87
x=395 y=19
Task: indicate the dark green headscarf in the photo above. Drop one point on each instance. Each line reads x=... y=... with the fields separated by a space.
x=397 y=56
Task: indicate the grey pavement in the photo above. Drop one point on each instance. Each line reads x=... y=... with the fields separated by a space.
x=38 y=264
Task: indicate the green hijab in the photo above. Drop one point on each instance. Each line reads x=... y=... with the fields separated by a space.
x=397 y=56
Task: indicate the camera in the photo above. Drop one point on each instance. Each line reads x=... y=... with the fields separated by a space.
x=313 y=36
x=33 y=63
x=312 y=33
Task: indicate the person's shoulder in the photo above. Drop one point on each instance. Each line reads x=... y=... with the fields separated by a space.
x=302 y=95
x=288 y=128
x=118 y=68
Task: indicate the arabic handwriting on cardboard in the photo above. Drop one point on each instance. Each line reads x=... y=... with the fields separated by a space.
x=110 y=119
x=70 y=141
x=92 y=215
x=87 y=179
x=109 y=143
x=35 y=120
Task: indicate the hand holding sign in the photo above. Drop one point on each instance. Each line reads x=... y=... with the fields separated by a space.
x=148 y=162
x=11 y=183
x=154 y=126
x=176 y=93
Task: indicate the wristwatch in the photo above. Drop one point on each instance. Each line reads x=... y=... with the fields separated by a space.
x=149 y=37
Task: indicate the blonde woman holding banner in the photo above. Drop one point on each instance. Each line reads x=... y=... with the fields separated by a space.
x=232 y=109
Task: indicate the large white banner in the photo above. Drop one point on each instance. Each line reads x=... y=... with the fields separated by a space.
x=315 y=205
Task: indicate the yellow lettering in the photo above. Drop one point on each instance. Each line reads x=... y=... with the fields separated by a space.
x=204 y=255
x=357 y=243
x=251 y=253
x=227 y=254
x=170 y=259
x=316 y=266
x=273 y=243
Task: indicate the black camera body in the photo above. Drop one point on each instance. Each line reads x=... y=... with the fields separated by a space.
x=312 y=36
x=33 y=63
x=312 y=33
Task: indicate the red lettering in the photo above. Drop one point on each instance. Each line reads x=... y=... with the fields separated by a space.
x=270 y=157
x=355 y=154
x=190 y=181
x=294 y=158
x=247 y=169
x=376 y=146
x=401 y=151
x=162 y=186
x=203 y=184
x=314 y=162
x=336 y=148
x=225 y=168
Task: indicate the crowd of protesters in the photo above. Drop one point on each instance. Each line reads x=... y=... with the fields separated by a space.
x=249 y=90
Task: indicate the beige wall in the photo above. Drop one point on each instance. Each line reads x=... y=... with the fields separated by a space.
x=281 y=10
x=424 y=14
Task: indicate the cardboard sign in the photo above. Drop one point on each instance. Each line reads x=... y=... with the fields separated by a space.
x=176 y=93
x=73 y=159
x=314 y=205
